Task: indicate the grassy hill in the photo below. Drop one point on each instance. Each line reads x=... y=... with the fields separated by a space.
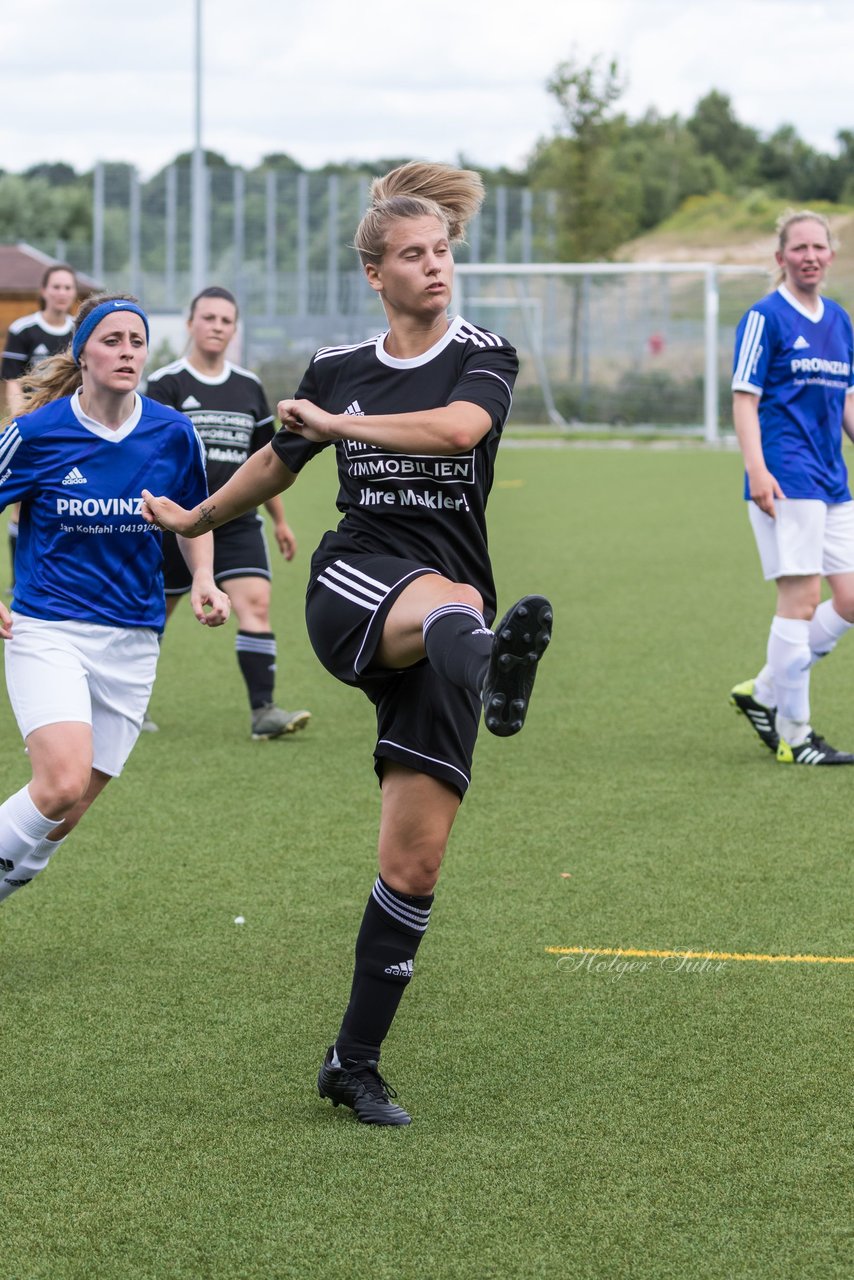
x=719 y=228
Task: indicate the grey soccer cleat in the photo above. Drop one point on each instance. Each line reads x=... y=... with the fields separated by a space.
x=271 y=721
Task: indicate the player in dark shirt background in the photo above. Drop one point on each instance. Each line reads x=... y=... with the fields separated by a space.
x=31 y=339
x=401 y=595
x=228 y=408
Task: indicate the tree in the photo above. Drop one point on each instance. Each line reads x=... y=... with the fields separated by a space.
x=578 y=162
x=718 y=133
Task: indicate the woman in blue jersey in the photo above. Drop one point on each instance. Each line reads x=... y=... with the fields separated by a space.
x=401 y=595
x=82 y=635
x=792 y=400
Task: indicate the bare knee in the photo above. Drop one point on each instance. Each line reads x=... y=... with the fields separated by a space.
x=415 y=873
x=798 y=598
x=464 y=593
x=59 y=791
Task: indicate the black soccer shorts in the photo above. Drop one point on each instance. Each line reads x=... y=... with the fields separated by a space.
x=423 y=721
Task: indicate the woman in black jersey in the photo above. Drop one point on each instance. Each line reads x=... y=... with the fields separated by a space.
x=401 y=595
x=227 y=406
x=30 y=340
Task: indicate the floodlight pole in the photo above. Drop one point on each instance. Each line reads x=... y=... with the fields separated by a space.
x=198 y=254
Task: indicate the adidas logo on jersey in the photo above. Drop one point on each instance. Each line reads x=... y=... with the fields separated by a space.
x=40 y=350
x=800 y=343
x=402 y=970
x=355 y=409
x=75 y=476
x=191 y=403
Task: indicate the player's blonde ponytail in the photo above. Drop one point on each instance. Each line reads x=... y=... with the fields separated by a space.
x=418 y=190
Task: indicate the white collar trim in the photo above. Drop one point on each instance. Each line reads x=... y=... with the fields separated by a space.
x=814 y=316
x=98 y=428
x=426 y=356
x=205 y=378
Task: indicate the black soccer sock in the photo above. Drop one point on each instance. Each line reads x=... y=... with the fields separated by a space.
x=392 y=927
x=458 y=644
x=256 y=657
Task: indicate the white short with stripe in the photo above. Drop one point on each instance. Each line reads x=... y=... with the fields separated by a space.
x=805 y=537
x=59 y=672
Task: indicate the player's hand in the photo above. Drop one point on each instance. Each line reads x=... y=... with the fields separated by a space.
x=206 y=595
x=285 y=539
x=306 y=420
x=763 y=490
x=165 y=514
x=5 y=623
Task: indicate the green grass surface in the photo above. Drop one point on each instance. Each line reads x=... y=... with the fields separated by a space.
x=160 y=1118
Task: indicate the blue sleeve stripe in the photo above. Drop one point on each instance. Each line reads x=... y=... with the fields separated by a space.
x=751 y=344
x=9 y=443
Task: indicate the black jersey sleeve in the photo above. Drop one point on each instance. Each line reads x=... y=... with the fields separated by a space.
x=164 y=390
x=487 y=379
x=16 y=357
x=264 y=426
x=291 y=448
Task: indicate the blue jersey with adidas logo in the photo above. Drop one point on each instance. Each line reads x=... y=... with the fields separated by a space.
x=800 y=364
x=84 y=551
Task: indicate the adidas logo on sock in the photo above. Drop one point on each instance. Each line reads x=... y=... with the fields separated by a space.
x=402 y=970
x=800 y=343
x=75 y=476
x=191 y=403
x=355 y=409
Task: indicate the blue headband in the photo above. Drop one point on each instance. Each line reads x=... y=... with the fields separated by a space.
x=99 y=313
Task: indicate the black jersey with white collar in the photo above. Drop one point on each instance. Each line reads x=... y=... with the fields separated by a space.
x=230 y=413
x=29 y=341
x=424 y=507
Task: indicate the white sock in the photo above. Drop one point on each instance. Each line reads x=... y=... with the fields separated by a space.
x=23 y=830
x=30 y=866
x=763 y=688
x=789 y=660
x=826 y=630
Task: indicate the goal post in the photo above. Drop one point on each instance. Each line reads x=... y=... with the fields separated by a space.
x=615 y=344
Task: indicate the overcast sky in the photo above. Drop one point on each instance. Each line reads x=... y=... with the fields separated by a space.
x=329 y=80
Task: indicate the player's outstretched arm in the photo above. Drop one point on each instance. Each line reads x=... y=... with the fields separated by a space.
x=261 y=477
x=210 y=605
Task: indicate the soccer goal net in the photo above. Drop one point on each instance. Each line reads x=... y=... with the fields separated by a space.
x=605 y=346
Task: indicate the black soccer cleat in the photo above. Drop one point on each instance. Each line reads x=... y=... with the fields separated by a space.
x=761 y=717
x=814 y=750
x=521 y=639
x=360 y=1086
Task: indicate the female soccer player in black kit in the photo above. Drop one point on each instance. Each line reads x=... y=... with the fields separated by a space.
x=401 y=594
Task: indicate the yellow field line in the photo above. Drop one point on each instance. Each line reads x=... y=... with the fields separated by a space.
x=698 y=955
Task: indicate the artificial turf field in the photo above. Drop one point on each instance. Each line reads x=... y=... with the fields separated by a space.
x=570 y=1120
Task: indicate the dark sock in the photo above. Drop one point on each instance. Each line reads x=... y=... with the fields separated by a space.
x=458 y=644
x=256 y=657
x=392 y=927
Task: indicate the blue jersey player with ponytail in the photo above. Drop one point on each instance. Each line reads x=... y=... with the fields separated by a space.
x=792 y=400
x=81 y=639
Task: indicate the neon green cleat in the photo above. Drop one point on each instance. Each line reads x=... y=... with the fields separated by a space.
x=761 y=717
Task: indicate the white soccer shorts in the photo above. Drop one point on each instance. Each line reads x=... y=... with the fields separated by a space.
x=76 y=671
x=806 y=537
